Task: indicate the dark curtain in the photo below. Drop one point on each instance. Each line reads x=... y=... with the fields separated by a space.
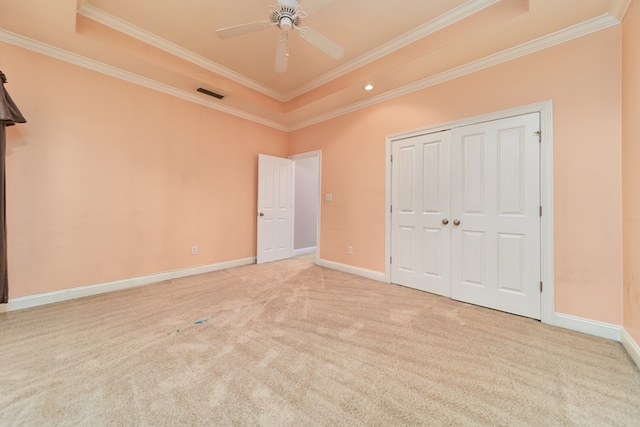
x=9 y=116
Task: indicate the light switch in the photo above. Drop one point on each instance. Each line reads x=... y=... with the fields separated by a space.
x=329 y=197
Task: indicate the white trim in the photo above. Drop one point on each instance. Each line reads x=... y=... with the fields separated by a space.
x=307 y=155
x=588 y=326
x=545 y=109
x=117 y=285
x=388 y=150
x=467 y=9
x=345 y=268
x=90 y=64
x=463 y=11
x=631 y=346
x=619 y=8
x=543 y=106
x=304 y=251
x=547 y=227
x=587 y=27
x=118 y=24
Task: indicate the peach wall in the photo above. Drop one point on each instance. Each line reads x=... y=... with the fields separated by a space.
x=109 y=180
x=630 y=167
x=583 y=78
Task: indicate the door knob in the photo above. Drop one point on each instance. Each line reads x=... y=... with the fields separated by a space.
x=456 y=222
x=445 y=221
x=261 y=213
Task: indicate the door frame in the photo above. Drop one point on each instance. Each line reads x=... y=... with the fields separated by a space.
x=309 y=155
x=545 y=109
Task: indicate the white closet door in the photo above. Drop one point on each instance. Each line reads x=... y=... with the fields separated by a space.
x=420 y=218
x=495 y=230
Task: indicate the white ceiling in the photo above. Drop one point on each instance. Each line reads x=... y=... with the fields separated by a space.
x=173 y=44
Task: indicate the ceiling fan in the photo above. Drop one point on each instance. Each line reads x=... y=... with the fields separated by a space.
x=287 y=15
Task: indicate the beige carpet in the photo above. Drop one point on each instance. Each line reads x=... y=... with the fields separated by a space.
x=290 y=343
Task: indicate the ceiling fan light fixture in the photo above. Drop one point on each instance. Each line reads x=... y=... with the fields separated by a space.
x=286 y=23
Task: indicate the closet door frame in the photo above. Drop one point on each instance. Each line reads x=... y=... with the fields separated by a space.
x=545 y=109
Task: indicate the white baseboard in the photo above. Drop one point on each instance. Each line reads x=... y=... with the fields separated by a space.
x=304 y=251
x=587 y=326
x=578 y=324
x=632 y=347
x=369 y=274
x=101 y=288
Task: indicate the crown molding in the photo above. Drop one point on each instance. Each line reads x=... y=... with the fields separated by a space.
x=617 y=11
x=582 y=29
x=122 y=26
x=467 y=9
x=90 y=64
x=579 y=30
x=463 y=11
x=619 y=8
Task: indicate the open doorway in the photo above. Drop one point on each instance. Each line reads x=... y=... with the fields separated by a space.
x=306 y=201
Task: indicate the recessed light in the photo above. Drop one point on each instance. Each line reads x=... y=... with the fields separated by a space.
x=368 y=87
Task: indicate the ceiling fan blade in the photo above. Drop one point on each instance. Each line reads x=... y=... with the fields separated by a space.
x=321 y=42
x=238 y=30
x=282 y=53
x=313 y=6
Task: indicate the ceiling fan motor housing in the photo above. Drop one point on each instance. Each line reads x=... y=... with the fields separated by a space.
x=286 y=17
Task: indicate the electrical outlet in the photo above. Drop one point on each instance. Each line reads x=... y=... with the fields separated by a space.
x=350 y=250
x=194 y=250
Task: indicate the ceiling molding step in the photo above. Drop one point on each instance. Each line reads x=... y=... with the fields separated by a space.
x=463 y=11
x=570 y=33
x=125 y=27
x=90 y=64
x=561 y=36
x=619 y=8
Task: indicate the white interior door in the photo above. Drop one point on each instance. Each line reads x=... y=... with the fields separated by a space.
x=495 y=187
x=420 y=218
x=275 y=208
